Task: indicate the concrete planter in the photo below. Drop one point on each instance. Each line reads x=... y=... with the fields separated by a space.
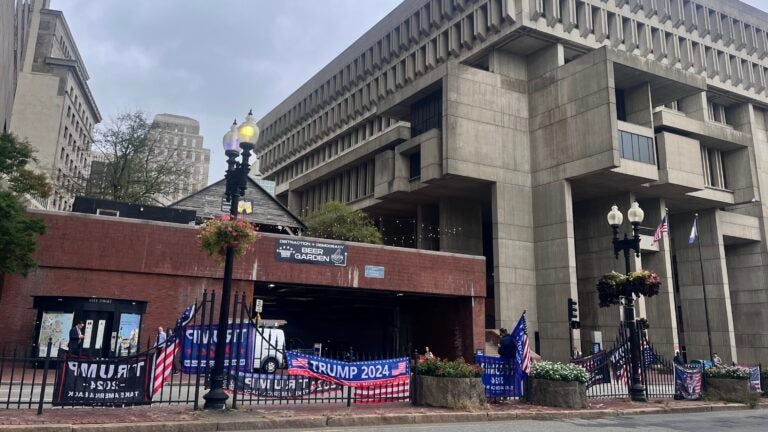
x=563 y=394
x=455 y=393
x=729 y=390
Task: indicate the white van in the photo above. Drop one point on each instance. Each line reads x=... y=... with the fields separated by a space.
x=268 y=350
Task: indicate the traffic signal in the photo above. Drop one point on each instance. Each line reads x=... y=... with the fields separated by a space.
x=572 y=310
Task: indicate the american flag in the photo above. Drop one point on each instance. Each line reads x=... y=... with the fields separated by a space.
x=399 y=370
x=523 y=355
x=299 y=362
x=396 y=391
x=663 y=227
x=165 y=355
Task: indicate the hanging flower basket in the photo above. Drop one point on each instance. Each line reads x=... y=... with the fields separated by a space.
x=613 y=286
x=218 y=234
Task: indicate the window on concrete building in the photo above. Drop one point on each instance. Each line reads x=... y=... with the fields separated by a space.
x=621 y=106
x=415 y=165
x=427 y=114
x=716 y=113
x=672 y=105
x=712 y=160
x=637 y=147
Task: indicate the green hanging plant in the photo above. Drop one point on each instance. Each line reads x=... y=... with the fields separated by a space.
x=613 y=286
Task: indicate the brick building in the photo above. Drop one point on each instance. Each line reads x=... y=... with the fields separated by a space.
x=115 y=271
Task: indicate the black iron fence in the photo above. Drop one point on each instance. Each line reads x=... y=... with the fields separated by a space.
x=176 y=372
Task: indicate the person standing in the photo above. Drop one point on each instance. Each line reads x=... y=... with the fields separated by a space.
x=161 y=337
x=428 y=354
x=506 y=345
x=76 y=338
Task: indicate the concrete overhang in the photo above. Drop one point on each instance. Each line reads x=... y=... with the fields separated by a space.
x=389 y=138
x=667 y=83
x=709 y=134
x=738 y=228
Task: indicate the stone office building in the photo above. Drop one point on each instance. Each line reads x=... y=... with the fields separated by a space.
x=508 y=128
x=54 y=108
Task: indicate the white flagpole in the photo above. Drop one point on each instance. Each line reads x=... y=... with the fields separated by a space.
x=703 y=285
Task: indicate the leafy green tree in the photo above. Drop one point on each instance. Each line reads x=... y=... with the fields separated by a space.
x=136 y=167
x=338 y=221
x=18 y=232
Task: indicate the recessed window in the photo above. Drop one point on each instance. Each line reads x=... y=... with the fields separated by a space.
x=712 y=164
x=415 y=164
x=637 y=147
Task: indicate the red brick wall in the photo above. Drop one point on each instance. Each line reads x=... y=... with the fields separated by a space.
x=162 y=264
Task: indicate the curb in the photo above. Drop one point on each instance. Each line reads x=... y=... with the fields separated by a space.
x=314 y=422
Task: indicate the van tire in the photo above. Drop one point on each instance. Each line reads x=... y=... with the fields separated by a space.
x=270 y=366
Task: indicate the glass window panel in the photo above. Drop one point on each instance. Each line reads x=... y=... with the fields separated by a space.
x=643 y=147
x=635 y=148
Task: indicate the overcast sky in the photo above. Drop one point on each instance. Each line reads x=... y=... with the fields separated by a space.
x=210 y=60
x=213 y=60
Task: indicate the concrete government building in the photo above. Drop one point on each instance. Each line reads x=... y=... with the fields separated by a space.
x=507 y=128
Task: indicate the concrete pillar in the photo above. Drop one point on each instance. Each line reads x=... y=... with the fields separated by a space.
x=461 y=226
x=694 y=106
x=555 y=267
x=639 y=108
x=747 y=281
x=689 y=273
x=427 y=227
x=294 y=202
x=513 y=252
x=545 y=60
x=594 y=258
x=660 y=310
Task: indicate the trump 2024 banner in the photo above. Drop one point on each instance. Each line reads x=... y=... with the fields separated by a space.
x=103 y=382
x=198 y=347
x=274 y=386
x=354 y=374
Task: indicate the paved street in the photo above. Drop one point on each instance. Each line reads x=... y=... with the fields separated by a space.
x=741 y=421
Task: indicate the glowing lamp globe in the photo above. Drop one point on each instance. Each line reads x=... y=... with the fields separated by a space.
x=248 y=132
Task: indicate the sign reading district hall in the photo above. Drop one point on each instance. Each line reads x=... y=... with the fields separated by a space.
x=310 y=252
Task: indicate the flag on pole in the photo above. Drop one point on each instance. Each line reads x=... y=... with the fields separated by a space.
x=663 y=227
x=522 y=345
x=694 y=231
x=164 y=356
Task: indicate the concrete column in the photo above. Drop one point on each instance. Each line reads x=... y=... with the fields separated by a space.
x=594 y=258
x=639 y=107
x=513 y=252
x=660 y=310
x=555 y=267
x=691 y=292
x=545 y=60
x=747 y=280
x=461 y=226
x=694 y=106
x=427 y=227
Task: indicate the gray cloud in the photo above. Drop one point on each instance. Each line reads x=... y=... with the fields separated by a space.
x=210 y=60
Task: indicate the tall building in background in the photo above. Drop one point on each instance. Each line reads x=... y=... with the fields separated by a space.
x=509 y=128
x=182 y=135
x=53 y=108
x=8 y=68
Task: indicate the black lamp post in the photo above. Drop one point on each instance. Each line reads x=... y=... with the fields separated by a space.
x=237 y=181
x=625 y=245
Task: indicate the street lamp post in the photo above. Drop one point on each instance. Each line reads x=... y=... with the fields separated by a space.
x=236 y=184
x=625 y=245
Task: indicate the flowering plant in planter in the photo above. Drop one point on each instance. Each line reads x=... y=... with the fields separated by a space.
x=613 y=286
x=554 y=371
x=448 y=369
x=728 y=372
x=217 y=234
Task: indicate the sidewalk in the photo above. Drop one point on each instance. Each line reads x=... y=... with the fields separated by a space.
x=182 y=419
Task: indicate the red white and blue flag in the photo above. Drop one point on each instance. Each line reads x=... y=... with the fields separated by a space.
x=663 y=227
x=523 y=348
x=165 y=355
x=353 y=374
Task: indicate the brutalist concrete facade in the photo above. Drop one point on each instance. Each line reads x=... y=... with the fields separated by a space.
x=509 y=127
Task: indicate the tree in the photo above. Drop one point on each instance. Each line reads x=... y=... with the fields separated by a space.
x=137 y=168
x=338 y=221
x=18 y=232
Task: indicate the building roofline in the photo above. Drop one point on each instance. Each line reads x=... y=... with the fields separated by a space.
x=60 y=15
x=61 y=62
x=253 y=181
x=372 y=35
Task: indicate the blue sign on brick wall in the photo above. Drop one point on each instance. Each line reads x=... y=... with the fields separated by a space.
x=374 y=272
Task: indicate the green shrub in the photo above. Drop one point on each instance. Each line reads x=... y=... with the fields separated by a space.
x=448 y=369
x=554 y=371
x=727 y=372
